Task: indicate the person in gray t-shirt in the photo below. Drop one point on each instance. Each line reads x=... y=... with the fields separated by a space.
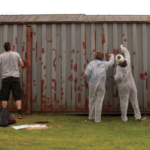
x=10 y=61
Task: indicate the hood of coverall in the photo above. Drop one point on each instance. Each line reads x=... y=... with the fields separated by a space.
x=119 y=59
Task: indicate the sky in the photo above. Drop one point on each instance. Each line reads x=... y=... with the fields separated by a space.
x=88 y=7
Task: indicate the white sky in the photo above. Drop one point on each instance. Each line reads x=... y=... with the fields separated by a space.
x=94 y=7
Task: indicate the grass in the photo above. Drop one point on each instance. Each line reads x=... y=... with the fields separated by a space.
x=77 y=133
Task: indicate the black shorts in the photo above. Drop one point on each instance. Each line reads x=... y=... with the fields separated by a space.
x=11 y=83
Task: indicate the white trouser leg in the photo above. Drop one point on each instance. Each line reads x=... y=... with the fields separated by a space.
x=135 y=105
x=99 y=101
x=124 y=101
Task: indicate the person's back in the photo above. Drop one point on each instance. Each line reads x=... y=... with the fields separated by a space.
x=9 y=61
x=10 y=77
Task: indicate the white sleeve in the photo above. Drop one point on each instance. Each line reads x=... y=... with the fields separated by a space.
x=110 y=62
x=119 y=75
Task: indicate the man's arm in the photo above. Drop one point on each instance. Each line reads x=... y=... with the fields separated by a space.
x=126 y=54
x=20 y=62
x=110 y=62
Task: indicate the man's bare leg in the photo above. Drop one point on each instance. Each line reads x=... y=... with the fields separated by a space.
x=4 y=104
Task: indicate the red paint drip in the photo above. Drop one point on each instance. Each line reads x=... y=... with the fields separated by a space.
x=86 y=85
x=54 y=84
x=134 y=53
x=75 y=67
x=106 y=56
x=84 y=45
x=70 y=78
x=87 y=104
x=123 y=34
x=44 y=67
x=79 y=97
x=73 y=50
x=125 y=40
x=34 y=33
x=142 y=76
x=147 y=84
x=39 y=58
x=43 y=97
x=22 y=48
x=116 y=94
x=87 y=61
x=54 y=64
x=36 y=51
x=75 y=81
x=79 y=88
x=103 y=39
x=43 y=51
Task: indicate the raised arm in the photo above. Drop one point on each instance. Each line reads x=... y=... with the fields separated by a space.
x=119 y=75
x=110 y=62
x=126 y=54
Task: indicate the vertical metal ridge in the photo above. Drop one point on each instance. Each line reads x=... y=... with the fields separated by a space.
x=73 y=63
x=105 y=49
x=34 y=68
x=125 y=40
x=64 y=65
x=54 y=53
x=83 y=64
x=93 y=41
x=43 y=80
x=15 y=38
x=145 y=65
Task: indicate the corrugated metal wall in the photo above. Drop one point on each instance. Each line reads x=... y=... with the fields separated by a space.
x=16 y=34
x=60 y=54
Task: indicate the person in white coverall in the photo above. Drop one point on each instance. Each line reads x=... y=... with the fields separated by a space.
x=96 y=69
x=126 y=85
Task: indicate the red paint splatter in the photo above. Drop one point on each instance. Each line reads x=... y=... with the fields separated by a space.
x=44 y=67
x=115 y=51
x=54 y=64
x=84 y=45
x=43 y=51
x=36 y=51
x=77 y=51
x=79 y=97
x=33 y=80
x=106 y=87
x=123 y=34
x=103 y=39
x=22 y=48
x=43 y=97
x=116 y=94
x=132 y=67
x=87 y=61
x=73 y=50
x=134 y=53
x=39 y=58
x=142 y=76
x=87 y=104
x=125 y=40
x=75 y=67
x=33 y=49
x=70 y=78
x=50 y=41
x=53 y=49
x=34 y=84
x=79 y=88
x=44 y=75
x=53 y=80
x=57 y=101
x=84 y=66
x=45 y=87
x=57 y=34
x=34 y=33
x=75 y=81
x=147 y=84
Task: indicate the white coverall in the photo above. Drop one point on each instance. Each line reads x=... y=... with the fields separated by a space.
x=96 y=69
x=127 y=88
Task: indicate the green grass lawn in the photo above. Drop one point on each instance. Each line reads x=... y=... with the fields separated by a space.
x=77 y=133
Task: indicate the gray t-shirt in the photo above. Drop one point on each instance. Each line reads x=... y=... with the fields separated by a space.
x=9 y=61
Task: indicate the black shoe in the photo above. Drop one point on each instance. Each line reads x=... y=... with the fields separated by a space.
x=20 y=116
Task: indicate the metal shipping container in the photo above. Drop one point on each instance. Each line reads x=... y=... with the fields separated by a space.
x=57 y=49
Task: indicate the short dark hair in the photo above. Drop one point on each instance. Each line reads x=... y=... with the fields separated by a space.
x=99 y=54
x=7 y=46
